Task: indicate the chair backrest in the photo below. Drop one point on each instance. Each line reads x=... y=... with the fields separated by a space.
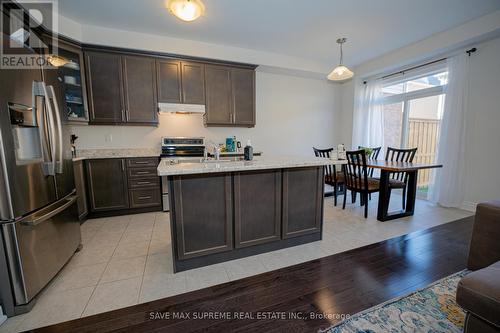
x=400 y=155
x=326 y=153
x=372 y=156
x=356 y=173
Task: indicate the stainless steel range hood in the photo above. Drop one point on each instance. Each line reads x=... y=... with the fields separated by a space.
x=181 y=108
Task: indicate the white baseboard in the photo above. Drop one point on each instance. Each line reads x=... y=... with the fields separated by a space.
x=469 y=206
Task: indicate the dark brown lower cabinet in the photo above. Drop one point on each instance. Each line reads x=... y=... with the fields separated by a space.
x=81 y=189
x=107 y=184
x=302 y=201
x=257 y=207
x=202 y=214
x=147 y=197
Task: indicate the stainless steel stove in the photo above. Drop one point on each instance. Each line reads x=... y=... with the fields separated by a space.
x=177 y=149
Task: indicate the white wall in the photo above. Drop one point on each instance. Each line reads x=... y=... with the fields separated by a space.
x=483 y=125
x=293 y=114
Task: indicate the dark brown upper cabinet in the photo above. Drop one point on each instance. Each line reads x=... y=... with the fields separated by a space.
x=105 y=89
x=181 y=82
x=193 y=83
x=121 y=89
x=243 y=94
x=218 y=107
x=230 y=96
x=169 y=81
x=140 y=90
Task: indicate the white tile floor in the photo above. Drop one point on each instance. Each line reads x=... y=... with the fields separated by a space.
x=127 y=260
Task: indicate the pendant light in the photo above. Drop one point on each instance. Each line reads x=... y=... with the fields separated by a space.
x=186 y=10
x=341 y=72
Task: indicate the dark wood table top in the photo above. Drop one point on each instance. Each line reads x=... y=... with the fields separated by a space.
x=400 y=166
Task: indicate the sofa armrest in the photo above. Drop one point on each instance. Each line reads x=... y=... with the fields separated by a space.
x=485 y=243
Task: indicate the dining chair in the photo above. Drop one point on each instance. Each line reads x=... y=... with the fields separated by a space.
x=375 y=151
x=333 y=177
x=399 y=180
x=357 y=179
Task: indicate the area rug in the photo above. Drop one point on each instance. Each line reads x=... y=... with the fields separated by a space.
x=431 y=309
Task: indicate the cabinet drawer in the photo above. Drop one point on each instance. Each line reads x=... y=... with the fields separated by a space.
x=144 y=182
x=144 y=197
x=142 y=172
x=142 y=162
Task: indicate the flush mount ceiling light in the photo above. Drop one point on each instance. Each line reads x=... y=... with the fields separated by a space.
x=341 y=72
x=186 y=10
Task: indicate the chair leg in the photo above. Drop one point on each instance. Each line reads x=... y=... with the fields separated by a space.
x=345 y=197
x=335 y=194
x=366 y=206
x=353 y=197
x=361 y=199
x=369 y=196
x=404 y=197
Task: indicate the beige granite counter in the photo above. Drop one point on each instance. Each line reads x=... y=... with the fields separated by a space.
x=258 y=163
x=116 y=153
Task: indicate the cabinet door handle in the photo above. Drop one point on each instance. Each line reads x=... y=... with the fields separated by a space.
x=142 y=172
x=143 y=183
x=144 y=197
x=123 y=165
x=140 y=162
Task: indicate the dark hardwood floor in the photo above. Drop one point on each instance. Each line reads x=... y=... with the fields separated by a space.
x=344 y=283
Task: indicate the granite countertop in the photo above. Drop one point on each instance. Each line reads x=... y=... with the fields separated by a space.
x=258 y=163
x=83 y=154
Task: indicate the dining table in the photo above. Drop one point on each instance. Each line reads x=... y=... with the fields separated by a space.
x=387 y=168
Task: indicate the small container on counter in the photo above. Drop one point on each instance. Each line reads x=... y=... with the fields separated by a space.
x=248 y=154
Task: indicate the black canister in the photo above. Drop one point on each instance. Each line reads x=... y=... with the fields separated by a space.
x=248 y=151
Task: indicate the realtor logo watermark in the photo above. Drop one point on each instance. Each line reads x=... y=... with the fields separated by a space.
x=20 y=47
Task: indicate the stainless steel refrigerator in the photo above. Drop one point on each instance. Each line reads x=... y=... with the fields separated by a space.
x=39 y=225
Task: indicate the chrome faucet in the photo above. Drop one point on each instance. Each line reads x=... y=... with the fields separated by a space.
x=213 y=148
x=217 y=152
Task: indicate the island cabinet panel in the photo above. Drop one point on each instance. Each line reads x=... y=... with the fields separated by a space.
x=141 y=105
x=302 y=201
x=219 y=109
x=105 y=90
x=257 y=207
x=107 y=184
x=202 y=214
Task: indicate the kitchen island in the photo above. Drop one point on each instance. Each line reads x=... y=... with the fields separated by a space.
x=224 y=210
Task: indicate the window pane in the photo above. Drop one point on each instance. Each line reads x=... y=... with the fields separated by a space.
x=425 y=115
x=393 y=124
x=394 y=89
x=425 y=82
x=419 y=83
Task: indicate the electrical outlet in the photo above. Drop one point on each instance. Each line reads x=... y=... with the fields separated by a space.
x=108 y=137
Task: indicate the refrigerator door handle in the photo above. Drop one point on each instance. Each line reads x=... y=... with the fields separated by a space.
x=50 y=116
x=68 y=201
x=59 y=158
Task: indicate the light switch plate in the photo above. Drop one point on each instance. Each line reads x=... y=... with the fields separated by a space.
x=108 y=137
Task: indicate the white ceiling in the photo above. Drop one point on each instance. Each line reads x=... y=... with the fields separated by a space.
x=300 y=28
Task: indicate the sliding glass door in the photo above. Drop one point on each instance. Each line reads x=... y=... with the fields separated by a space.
x=413 y=109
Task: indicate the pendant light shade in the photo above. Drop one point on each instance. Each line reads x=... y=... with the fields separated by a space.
x=341 y=72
